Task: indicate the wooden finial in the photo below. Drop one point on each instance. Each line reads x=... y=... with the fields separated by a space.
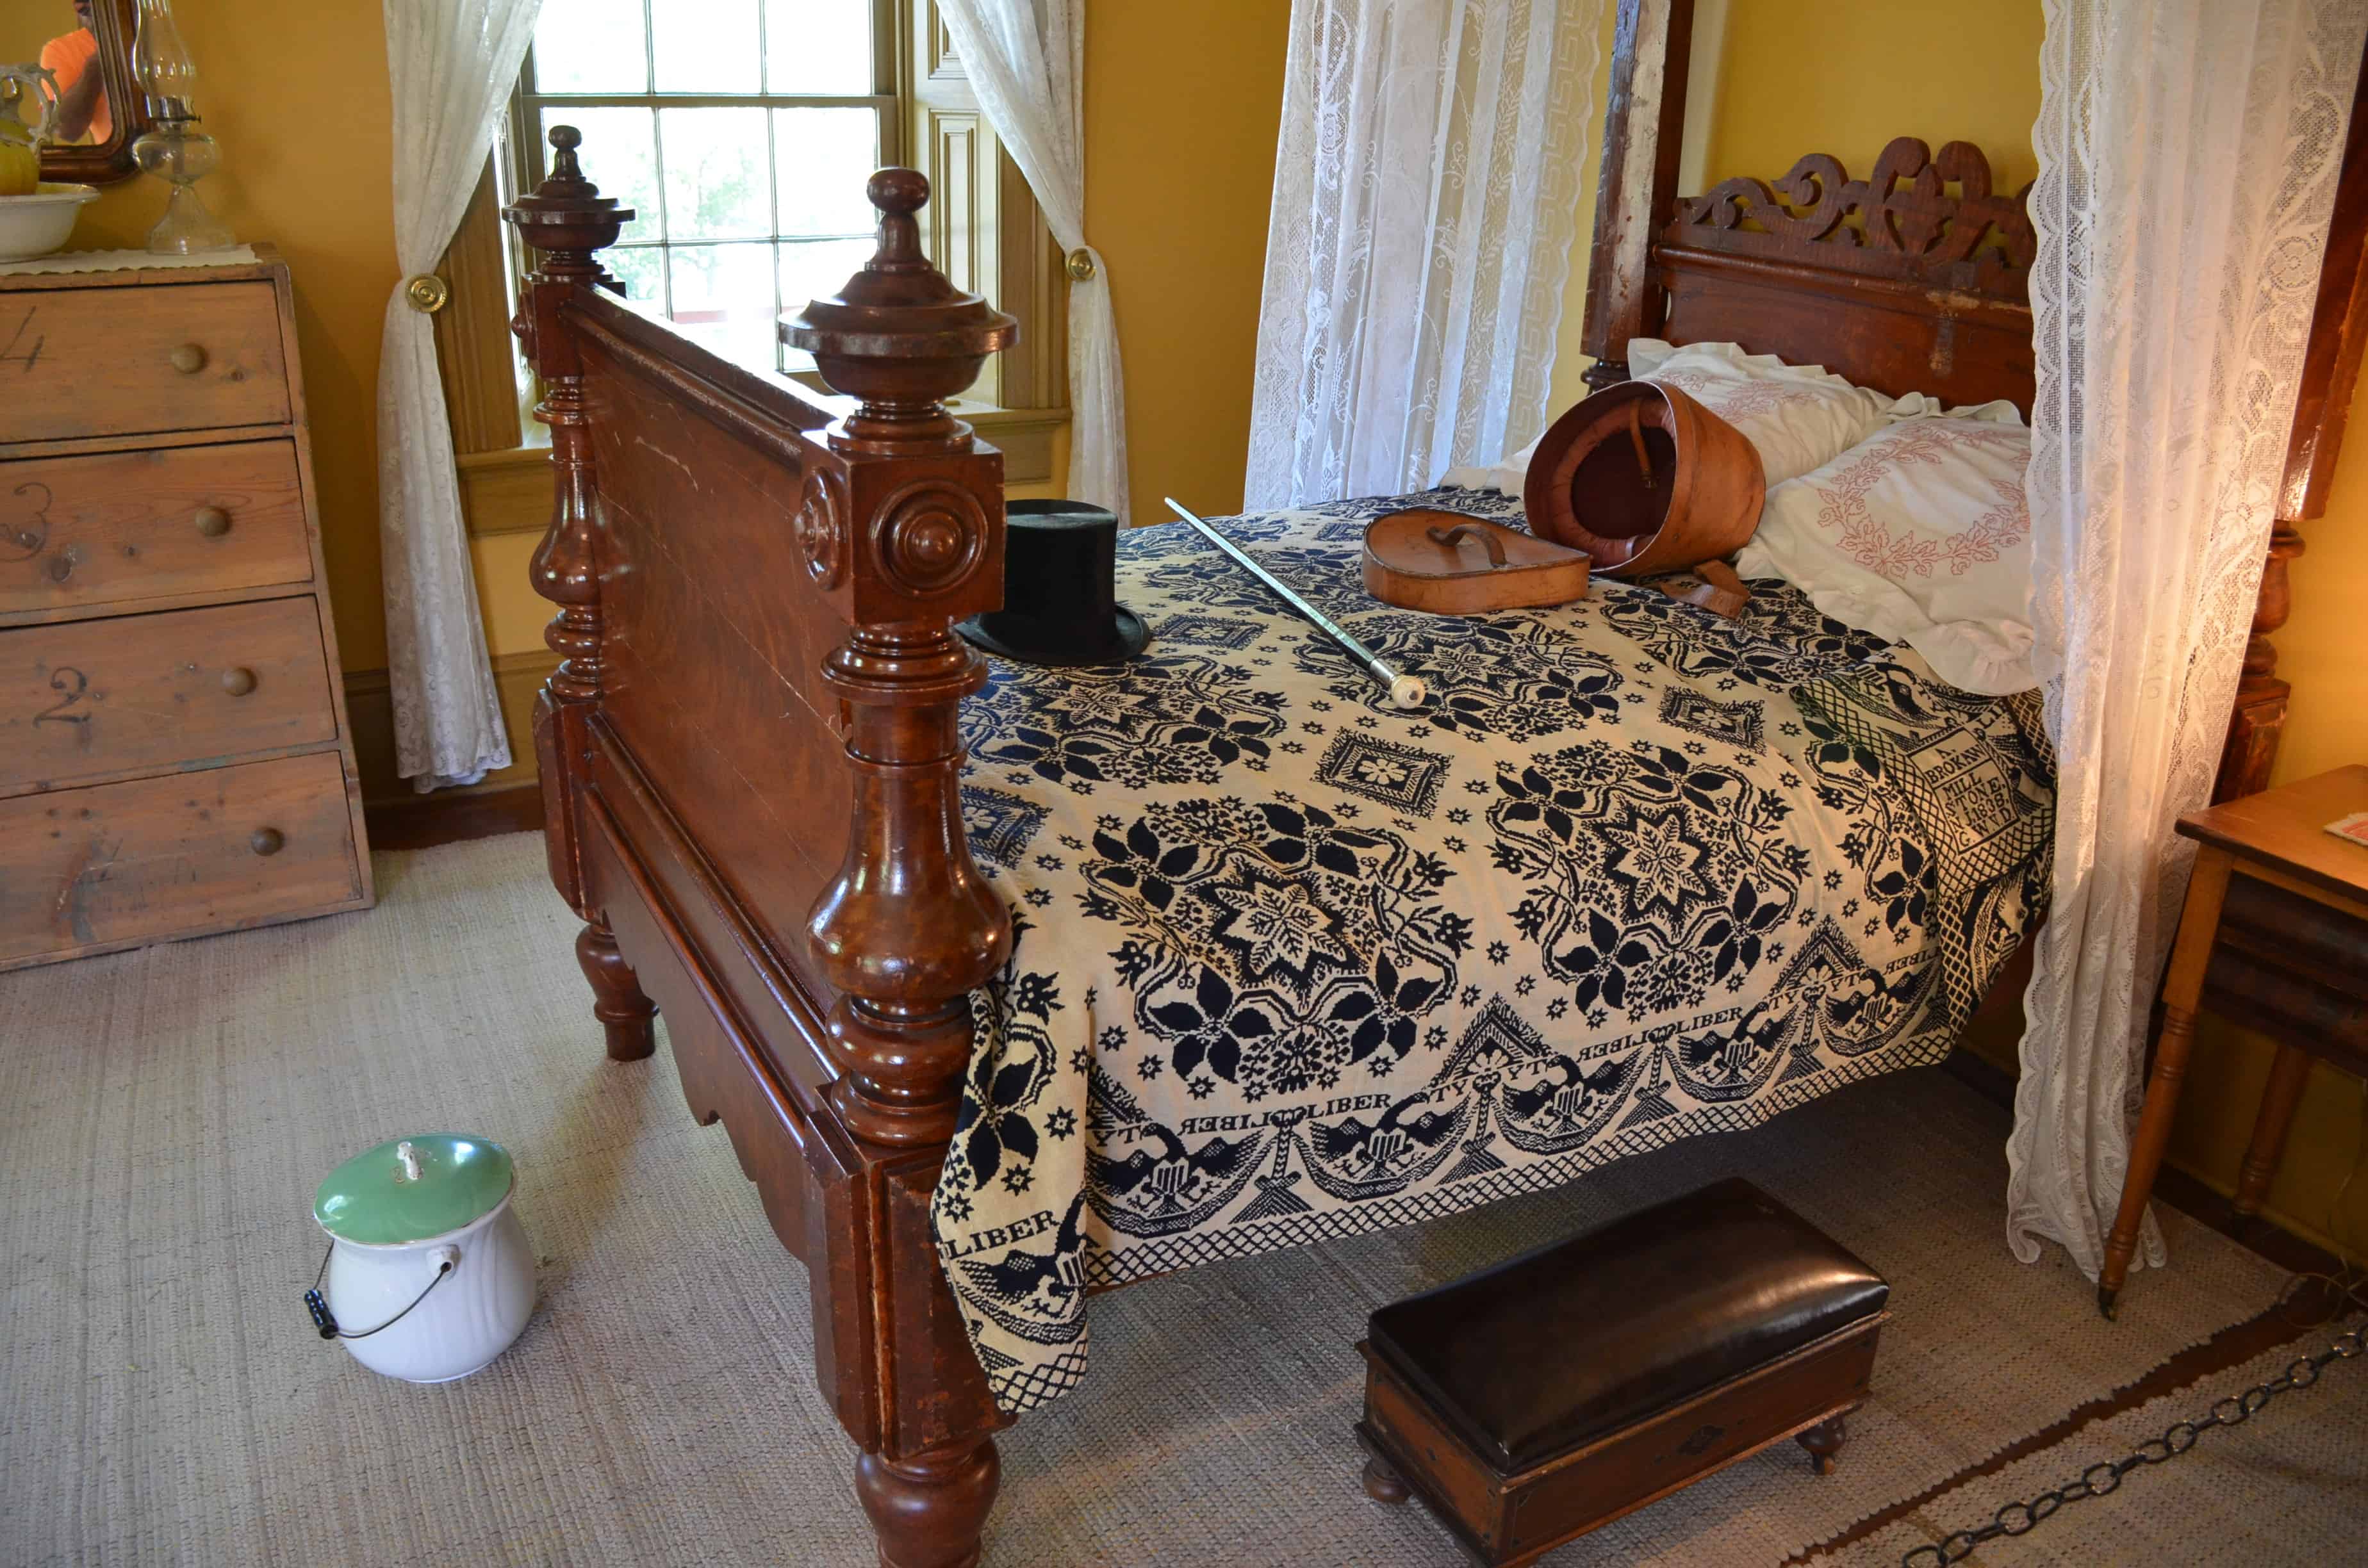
x=566 y=175
x=899 y=336
x=897 y=194
x=567 y=218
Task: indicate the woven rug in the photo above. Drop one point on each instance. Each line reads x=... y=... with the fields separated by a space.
x=165 y=1115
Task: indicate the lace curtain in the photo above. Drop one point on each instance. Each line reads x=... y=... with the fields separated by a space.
x=2188 y=153
x=452 y=64
x=1026 y=60
x=1426 y=204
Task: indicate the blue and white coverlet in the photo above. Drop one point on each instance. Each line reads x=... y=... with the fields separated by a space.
x=1293 y=963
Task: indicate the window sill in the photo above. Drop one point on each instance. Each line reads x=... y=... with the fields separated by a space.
x=509 y=491
x=1024 y=435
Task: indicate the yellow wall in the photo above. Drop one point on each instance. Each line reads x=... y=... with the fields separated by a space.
x=1183 y=106
x=296 y=91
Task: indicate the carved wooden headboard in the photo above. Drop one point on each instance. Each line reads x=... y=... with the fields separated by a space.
x=1890 y=281
x=1896 y=284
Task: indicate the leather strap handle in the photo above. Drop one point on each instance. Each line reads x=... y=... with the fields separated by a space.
x=1715 y=588
x=1636 y=436
x=1451 y=538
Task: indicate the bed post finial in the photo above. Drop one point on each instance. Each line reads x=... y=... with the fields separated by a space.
x=567 y=221
x=900 y=335
x=909 y=927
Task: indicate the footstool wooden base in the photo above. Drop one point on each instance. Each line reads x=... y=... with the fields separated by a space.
x=1530 y=1403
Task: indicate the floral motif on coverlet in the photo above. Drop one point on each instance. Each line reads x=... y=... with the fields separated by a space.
x=1292 y=964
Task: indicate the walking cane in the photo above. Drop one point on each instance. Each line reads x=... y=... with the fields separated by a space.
x=1405 y=691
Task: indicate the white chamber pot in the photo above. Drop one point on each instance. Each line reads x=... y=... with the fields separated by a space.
x=429 y=1276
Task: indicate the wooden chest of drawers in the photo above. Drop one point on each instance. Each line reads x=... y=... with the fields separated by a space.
x=174 y=758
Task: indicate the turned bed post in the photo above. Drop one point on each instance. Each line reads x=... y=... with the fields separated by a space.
x=566 y=220
x=902 y=528
x=2338 y=329
x=1644 y=135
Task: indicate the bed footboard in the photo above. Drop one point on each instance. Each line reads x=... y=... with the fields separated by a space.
x=750 y=762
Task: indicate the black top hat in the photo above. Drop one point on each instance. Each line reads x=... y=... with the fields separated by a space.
x=1059 y=590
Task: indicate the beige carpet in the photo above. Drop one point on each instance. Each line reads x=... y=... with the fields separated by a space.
x=163 y=1117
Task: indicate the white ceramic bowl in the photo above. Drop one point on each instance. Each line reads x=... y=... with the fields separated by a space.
x=36 y=225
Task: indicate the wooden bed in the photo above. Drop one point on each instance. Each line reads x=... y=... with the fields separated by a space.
x=751 y=753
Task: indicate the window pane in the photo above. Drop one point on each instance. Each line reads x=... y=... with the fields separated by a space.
x=723 y=297
x=826 y=157
x=707 y=46
x=715 y=173
x=618 y=155
x=812 y=270
x=642 y=270
x=818 y=46
x=591 y=46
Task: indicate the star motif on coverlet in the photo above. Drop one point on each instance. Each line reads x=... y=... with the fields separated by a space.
x=1276 y=928
x=1653 y=862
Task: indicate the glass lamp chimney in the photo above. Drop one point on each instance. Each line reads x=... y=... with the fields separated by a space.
x=161 y=64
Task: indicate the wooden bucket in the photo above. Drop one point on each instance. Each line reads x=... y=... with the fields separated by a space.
x=1645 y=480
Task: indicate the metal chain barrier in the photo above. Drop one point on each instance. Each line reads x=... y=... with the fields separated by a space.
x=2105 y=1477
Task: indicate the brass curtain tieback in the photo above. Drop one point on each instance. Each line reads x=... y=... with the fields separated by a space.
x=1081 y=266
x=426 y=293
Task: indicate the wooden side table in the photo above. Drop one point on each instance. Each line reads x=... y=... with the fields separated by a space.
x=2275 y=936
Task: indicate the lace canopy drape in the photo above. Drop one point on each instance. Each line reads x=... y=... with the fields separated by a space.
x=452 y=64
x=2187 y=154
x=1426 y=205
x=1026 y=60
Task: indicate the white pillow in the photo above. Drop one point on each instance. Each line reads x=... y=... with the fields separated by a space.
x=1920 y=534
x=1797 y=415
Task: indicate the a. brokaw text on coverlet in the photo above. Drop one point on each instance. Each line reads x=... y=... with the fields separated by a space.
x=1293 y=963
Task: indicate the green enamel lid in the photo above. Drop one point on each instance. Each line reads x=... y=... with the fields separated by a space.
x=413 y=1188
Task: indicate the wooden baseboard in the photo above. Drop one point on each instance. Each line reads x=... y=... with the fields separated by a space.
x=450 y=817
x=369 y=705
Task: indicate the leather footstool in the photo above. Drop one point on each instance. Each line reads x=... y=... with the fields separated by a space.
x=1533 y=1400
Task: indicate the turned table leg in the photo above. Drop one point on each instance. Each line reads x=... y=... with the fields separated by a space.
x=1383 y=1484
x=2287 y=1076
x=2182 y=989
x=1824 y=1442
x=929 y=1511
x=617 y=999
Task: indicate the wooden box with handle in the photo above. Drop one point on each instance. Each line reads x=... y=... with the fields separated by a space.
x=175 y=756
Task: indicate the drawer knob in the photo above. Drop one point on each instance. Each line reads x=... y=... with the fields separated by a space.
x=238 y=680
x=212 y=521
x=188 y=359
x=266 y=841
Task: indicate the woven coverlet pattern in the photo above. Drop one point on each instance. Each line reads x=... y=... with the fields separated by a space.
x=1294 y=964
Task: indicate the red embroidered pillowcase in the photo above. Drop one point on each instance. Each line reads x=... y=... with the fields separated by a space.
x=1921 y=534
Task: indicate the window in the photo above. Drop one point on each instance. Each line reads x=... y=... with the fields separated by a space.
x=741 y=131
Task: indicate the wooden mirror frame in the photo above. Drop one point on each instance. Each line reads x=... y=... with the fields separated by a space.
x=109 y=160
